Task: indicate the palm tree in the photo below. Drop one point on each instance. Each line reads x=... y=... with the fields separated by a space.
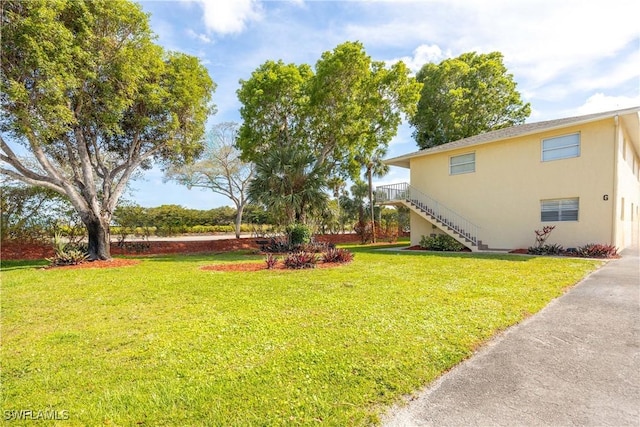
x=289 y=183
x=374 y=166
x=337 y=185
x=359 y=193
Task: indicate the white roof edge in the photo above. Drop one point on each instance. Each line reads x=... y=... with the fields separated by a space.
x=502 y=134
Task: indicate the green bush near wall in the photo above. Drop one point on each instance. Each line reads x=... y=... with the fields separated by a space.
x=440 y=242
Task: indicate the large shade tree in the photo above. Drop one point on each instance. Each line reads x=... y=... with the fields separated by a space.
x=349 y=106
x=466 y=96
x=219 y=168
x=90 y=98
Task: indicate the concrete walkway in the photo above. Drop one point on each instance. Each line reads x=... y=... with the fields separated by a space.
x=576 y=362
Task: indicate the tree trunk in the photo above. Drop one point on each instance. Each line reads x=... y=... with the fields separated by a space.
x=373 y=219
x=239 y=210
x=99 y=238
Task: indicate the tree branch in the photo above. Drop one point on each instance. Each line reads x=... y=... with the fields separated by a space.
x=118 y=189
x=33 y=181
x=73 y=160
x=55 y=183
x=11 y=158
x=89 y=187
x=36 y=148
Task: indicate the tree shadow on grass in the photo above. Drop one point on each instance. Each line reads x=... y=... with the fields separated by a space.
x=245 y=255
x=9 y=265
x=401 y=250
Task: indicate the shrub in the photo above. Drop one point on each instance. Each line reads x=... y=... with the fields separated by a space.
x=554 y=249
x=316 y=247
x=540 y=247
x=66 y=253
x=337 y=255
x=300 y=260
x=276 y=245
x=365 y=231
x=440 y=242
x=298 y=234
x=543 y=235
x=272 y=261
x=594 y=250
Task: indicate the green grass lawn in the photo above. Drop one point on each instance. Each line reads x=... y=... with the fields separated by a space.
x=165 y=343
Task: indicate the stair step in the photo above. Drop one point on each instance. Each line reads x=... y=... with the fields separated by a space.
x=443 y=221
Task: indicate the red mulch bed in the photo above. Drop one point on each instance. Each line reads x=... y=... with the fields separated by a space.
x=36 y=251
x=258 y=266
x=33 y=251
x=519 y=251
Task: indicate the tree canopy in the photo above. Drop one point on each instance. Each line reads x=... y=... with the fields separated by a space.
x=307 y=125
x=350 y=106
x=92 y=98
x=466 y=96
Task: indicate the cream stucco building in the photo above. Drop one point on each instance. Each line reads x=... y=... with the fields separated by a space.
x=491 y=191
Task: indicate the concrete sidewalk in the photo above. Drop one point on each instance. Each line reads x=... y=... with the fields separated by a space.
x=576 y=362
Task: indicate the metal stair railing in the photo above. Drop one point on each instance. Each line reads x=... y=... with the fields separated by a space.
x=406 y=193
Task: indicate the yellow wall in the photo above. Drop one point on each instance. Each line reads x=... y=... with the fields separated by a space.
x=421 y=227
x=503 y=195
x=627 y=229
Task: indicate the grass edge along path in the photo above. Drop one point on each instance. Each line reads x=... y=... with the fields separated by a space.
x=165 y=343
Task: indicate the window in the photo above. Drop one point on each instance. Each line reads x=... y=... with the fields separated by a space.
x=464 y=163
x=561 y=147
x=559 y=210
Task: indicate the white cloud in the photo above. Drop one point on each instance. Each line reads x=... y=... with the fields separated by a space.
x=618 y=72
x=229 y=16
x=542 y=40
x=600 y=102
x=202 y=37
x=422 y=55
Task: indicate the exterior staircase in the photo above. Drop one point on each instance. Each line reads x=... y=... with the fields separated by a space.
x=453 y=224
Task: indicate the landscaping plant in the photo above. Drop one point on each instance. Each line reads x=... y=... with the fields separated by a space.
x=595 y=250
x=300 y=260
x=441 y=242
x=272 y=261
x=66 y=253
x=540 y=247
x=299 y=234
x=337 y=255
x=553 y=249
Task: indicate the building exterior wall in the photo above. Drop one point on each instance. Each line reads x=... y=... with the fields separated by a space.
x=421 y=227
x=627 y=227
x=502 y=197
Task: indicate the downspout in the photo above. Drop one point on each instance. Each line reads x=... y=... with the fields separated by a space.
x=614 y=210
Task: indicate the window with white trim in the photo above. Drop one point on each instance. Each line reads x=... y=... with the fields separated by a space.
x=464 y=163
x=559 y=210
x=561 y=147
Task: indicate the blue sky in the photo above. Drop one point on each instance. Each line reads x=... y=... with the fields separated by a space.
x=568 y=57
